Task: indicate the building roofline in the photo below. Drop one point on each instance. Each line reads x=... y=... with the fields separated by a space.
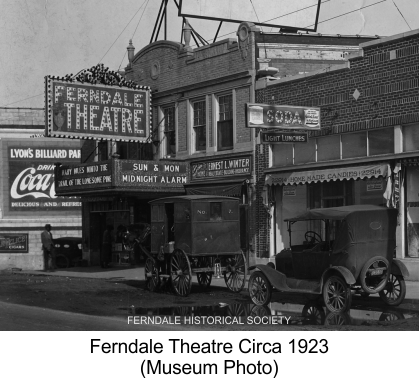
x=267 y=82
x=320 y=35
x=391 y=39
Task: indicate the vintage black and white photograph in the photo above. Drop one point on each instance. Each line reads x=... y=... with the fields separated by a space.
x=223 y=165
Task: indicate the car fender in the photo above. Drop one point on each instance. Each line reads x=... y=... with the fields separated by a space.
x=344 y=272
x=275 y=278
x=399 y=269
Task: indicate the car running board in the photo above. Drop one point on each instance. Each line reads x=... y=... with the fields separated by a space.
x=282 y=283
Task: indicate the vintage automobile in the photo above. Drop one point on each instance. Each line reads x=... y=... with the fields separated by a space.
x=68 y=251
x=348 y=248
x=194 y=234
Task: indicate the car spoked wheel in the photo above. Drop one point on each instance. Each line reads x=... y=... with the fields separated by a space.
x=260 y=311
x=151 y=275
x=62 y=262
x=337 y=319
x=235 y=274
x=336 y=295
x=394 y=291
x=180 y=273
x=391 y=316
x=260 y=289
x=313 y=313
x=374 y=275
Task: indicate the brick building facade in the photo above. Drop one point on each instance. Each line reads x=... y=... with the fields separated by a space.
x=26 y=200
x=199 y=97
x=369 y=120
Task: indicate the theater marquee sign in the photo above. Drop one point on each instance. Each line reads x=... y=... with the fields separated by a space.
x=77 y=108
x=116 y=175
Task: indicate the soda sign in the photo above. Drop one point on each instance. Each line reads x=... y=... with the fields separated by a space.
x=282 y=117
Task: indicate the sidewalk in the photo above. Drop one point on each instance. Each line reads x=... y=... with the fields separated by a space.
x=137 y=273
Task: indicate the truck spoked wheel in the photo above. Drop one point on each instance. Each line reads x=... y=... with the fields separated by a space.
x=235 y=273
x=180 y=273
x=151 y=275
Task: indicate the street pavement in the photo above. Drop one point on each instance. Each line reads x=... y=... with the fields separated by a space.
x=18 y=317
x=137 y=273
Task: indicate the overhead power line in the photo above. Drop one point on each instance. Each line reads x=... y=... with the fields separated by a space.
x=401 y=14
x=344 y=14
x=123 y=30
x=27 y=98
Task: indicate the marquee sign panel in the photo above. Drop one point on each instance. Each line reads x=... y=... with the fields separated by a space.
x=93 y=111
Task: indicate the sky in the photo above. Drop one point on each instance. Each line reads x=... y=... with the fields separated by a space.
x=59 y=37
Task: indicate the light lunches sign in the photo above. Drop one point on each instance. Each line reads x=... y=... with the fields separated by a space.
x=267 y=137
x=282 y=117
x=84 y=110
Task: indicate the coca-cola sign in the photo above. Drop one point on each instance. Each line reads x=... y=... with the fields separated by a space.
x=31 y=177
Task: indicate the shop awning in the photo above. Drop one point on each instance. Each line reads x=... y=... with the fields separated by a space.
x=332 y=174
x=232 y=189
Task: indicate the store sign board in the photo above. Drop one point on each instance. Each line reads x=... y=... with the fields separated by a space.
x=215 y=169
x=151 y=175
x=31 y=177
x=76 y=110
x=14 y=243
x=289 y=191
x=282 y=117
x=70 y=178
x=267 y=137
x=333 y=174
x=376 y=185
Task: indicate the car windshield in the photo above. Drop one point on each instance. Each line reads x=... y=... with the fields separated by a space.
x=309 y=233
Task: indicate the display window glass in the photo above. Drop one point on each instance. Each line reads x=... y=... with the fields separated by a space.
x=381 y=141
x=354 y=145
x=328 y=148
x=282 y=154
x=410 y=138
x=305 y=152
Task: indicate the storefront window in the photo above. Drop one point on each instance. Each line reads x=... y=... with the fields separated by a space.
x=199 y=125
x=305 y=152
x=354 y=145
x=282 y=155
x=170 y=131
x=330 y=194
x=102 y=151
x=134 y=151
x=225 y=123
x=370 y=191
x=412 y=213
x=381 y=141
x=328 y=148
x=410 y=138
